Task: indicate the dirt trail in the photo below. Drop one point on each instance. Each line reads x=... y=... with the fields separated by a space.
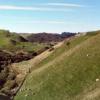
x=92 y=95
x=44 y=55
x=59 y=58
x=23 y=67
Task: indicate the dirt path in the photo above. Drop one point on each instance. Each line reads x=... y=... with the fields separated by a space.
x=57 y=59
x=67 y=53
x=23 y=67
x=42 y=56
x=92 y=95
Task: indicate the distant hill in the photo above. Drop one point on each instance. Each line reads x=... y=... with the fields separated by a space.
x=6 y=37
x=14 y=42
x=49 y=37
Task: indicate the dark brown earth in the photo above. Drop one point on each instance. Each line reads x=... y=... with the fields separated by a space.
x=8 y=82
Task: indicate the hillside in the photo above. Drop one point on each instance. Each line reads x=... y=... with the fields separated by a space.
x=69 y=73
x=15 y=48
x=49 y=37
x=14 y=42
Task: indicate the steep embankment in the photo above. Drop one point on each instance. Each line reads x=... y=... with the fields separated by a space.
x=69 y=73
x=23 y=67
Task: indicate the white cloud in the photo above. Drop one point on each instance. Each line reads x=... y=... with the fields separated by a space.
x=50 y=22
x=46 y=22
x=63 y=4
x=42 y=7
x=43 y=22
x=10 y=7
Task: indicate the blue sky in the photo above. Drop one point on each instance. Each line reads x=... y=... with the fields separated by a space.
x=50 y=15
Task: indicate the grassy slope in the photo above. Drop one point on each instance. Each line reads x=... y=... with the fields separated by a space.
x=28 y=47
x=7 y=45
x=71 y=78
x=3 y=39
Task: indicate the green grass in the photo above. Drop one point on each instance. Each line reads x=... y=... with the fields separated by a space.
x=64 y=48
x=25 y=46
x=30 y=46
x=4 y=40
x=71 y=78
x=5 y=43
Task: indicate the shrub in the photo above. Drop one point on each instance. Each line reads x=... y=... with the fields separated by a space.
x=68 y=44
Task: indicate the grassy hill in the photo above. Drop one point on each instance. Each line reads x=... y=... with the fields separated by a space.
x=14 y=48
x=14 y=42
x=4 y=40
x=69 y=73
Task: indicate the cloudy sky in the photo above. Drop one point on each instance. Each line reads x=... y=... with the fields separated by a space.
x=50 y=15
